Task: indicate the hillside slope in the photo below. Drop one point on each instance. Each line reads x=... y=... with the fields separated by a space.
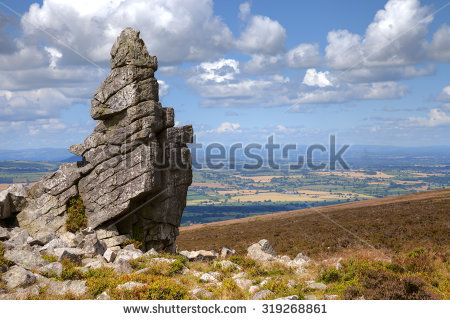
x=384 y=227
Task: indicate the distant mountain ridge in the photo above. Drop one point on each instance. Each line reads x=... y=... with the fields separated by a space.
x=43 y=154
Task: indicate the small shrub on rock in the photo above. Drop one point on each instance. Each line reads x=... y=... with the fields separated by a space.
x=76 y=215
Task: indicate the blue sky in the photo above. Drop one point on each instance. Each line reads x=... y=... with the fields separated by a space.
x=370 y=72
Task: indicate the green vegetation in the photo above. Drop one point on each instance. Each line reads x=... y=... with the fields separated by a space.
x=25 y=171
x=49 y=257
x=412 y=277
x=76 y=216
x=137 y=244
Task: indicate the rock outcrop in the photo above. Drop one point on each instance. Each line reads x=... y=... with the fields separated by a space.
x=136 y=166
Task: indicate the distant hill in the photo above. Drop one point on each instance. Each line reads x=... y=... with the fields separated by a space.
x=392 y=225
x=44 y=154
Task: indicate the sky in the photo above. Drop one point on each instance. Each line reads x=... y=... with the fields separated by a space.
x=370 y=72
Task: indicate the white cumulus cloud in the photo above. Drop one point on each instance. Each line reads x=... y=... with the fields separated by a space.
x=304 y=55
x=436 y=117
x=263 y=36
x=317 y=79
x=228 y=127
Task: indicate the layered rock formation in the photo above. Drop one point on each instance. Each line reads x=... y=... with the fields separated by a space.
x=136 y=167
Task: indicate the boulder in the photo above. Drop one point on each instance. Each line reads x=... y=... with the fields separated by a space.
x=136 y=166
x=94 y=263
x=200 y=293
x=4 y=234
x=109 y=255
x=103 y=296
x=129 y=253
x=200 y=255
x=227 y=252
x=91 y=246
x=243 y=283
x=315 y=285
x=73 y=254
x=206 y=277
x=52 y=269
x=27 y=259
x=17 y=276
x=77 y=288
x=50 y=247
x=261 y=251
x=121 y=266
x=18 y=239
x=42 y=239
x=12 y=200
x=263 y=294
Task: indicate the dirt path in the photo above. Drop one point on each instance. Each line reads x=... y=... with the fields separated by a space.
x=437 y=194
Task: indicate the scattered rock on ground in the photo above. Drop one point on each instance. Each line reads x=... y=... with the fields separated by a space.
x=52 y=269
x=18 y=277
x=200 y=255
x=260 y=295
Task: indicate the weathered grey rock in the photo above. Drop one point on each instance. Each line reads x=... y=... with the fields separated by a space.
x=121 y=266
x=103 y=296
x=94 y=263
x=111 y=232
x=129 y=253
x=18 y=239
x=114 y=241
x=69 y=239
x=315 y=285
x=12 y=200
x=200 y=255
x=206 y=277
x=293 y=297
x=52 y=269
x=109 y=255
x=130 y=285
x=50 y=247
x=5 y=206
x=261 y=251
x=253 y=289
x=201 y=293
x=42 y=239
x=151 y=252
x=17 y=276
x=26 y=259
x=227 y=252
x=91 y=246
x=136 y=166
x=263 y=294
x=310 y=297
x=22 y=293
x=60 y=288
x=330 y=297
x=243 y=283
x=73 y=254
x=4 y=234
